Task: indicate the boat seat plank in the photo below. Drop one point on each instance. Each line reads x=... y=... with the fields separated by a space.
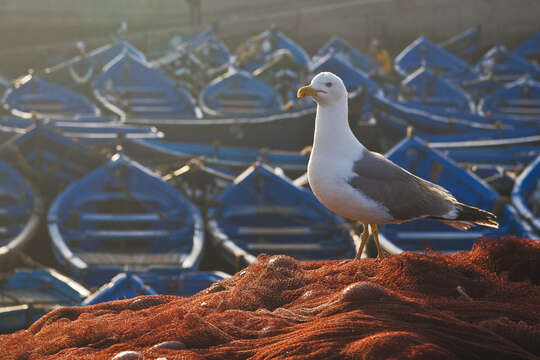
x=116 y=195
x=108 y=258
x=126 y=234
x=134 y=94
x=147 y=101
x=278 y=231
x=241 y=102
x=137 y=89
x=95 y=217
x=36 y=96
x=38 y=99
x=48 y=107
x=259 y=210
x=159 y=109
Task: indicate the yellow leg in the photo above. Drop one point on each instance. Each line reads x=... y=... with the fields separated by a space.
x=375 y=231
x=363 y=241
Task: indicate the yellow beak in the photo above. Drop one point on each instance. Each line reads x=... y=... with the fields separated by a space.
x=307 y=91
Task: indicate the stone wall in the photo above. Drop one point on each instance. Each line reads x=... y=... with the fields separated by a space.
x=37 y=32
x=394 y=22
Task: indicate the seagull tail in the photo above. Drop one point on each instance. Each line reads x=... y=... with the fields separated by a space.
x=468 y=216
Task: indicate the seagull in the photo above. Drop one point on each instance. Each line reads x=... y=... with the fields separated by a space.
x=362 y=185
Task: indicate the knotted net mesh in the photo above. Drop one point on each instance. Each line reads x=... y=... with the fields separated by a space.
x=482 y=304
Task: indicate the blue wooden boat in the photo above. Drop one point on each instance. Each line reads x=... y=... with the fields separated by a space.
x=158 y=152
x=269 y=91
x=104 y=134
x=396 y=117
x=241 y=110
x=495 y=156
x=186 y=70
x=122 y=286
x=78 y=72
x=209 y=49
x=503 y=66
x=101 y=131
x=464 y=45
x=423 y=52
x=519 y=99
x=499 y=177
x=208 y=37
x=426 y=91
x=481 y=87
x=166 y=281
x=506 y=148
x=48 y=158
x=33 y=97
x=196 y=61
x=238 y=94
x=21 y=208
x=530 y=49
x=199 y=181
x=479 y=135
x=27 y=294
x=345 y=53
x=253 y=53
x=174 y=281
x=263 y=212
x=136 y=92
x=419 y=159
x=122 y=216
x=281 y=72
x=526 y=194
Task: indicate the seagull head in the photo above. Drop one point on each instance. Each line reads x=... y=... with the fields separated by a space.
x=325 y=89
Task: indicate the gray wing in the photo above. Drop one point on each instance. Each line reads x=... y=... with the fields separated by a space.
x=405 y=195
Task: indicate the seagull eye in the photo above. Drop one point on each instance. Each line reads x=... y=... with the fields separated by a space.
x=328 y=84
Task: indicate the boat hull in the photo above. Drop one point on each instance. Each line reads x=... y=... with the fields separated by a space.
x=288 y=131
x=284 y=131
x=121 y=216
x=422 y=234
x=20 y=214
x=162 y=281
x=263 y=212
x=27 y=294
x=526 y=194
x=51 y=160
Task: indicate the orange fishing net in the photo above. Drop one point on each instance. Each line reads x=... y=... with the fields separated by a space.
x=482 y=304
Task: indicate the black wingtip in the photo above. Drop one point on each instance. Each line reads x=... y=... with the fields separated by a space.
x=476 y=216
